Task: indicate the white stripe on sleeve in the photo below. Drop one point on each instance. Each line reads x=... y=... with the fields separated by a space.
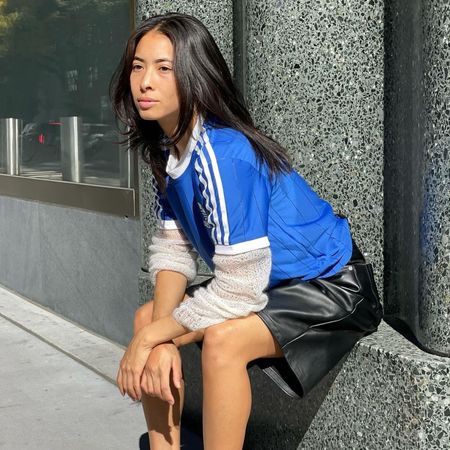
x=218 y=180
x=210 y=187
x=242 y=247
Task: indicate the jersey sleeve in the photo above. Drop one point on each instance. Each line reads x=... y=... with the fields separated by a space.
x=235 y=198
x=166 y=219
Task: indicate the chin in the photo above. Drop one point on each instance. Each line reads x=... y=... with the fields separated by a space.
x=146 y=115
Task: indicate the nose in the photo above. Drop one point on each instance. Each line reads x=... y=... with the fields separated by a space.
x=147 y=80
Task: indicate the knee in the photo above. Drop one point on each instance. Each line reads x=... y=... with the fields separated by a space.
x=143 y=316
x=220 y=346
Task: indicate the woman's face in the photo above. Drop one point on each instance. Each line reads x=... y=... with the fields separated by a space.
x=152 y=81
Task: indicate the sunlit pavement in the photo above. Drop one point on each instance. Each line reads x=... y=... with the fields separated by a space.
x=57 y=384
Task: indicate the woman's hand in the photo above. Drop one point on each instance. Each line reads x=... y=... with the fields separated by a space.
x=132 y=365
x=156 y=380
x=135 y=357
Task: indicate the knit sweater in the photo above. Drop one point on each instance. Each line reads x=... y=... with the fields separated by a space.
x=236 y=290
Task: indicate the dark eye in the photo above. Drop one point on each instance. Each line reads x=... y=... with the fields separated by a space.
x=165 y=69
x=136 y=67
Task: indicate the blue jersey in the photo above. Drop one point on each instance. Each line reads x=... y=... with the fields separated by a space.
x=225 y=202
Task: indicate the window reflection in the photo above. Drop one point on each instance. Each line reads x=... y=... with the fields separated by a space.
x=56 y=60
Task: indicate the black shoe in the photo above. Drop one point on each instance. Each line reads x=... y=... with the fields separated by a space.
x=144 y=443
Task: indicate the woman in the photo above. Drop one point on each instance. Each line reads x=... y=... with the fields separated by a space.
x=290 y=291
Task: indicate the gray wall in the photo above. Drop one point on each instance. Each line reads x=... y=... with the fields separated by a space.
x=79 y=263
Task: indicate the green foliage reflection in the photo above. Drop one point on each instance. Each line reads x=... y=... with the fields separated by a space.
x=57 y=56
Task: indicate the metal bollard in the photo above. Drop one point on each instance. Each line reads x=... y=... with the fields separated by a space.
x=11 y=144
x=72 y=152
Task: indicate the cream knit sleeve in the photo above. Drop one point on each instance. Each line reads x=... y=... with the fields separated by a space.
x=171 y=250
x=236 y=291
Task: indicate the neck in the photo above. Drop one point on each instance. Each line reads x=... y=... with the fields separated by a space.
x=169 y=128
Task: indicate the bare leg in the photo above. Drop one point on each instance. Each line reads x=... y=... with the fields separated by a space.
x=227 y=349
x=163 y=420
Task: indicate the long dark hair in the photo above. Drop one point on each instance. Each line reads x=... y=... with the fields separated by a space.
x=204 y=85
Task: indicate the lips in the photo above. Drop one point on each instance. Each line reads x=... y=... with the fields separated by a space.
x=146 y=103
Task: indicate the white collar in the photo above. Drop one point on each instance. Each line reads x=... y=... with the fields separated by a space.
x=176 y=167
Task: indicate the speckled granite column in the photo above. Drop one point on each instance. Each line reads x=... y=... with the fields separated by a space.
x=217 y=15
x=434 y=295
x=403 y=159
x=315 y=82
x=390 y=394
x=417 y=282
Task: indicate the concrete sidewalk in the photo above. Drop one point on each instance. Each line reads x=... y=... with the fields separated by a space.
x=57 y=385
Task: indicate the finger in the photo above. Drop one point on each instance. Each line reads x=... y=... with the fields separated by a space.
x=125 y=371
x=119 y=381
x=151 y=389
x=176 y=372
x=124 y=381
x=156 y=384
x=166 y=392
x=144 y=382
x=137 y=384
x=129 y=383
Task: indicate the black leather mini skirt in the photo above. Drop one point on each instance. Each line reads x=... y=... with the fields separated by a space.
x=317 y=322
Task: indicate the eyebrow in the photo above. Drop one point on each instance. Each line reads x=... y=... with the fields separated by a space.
x=159 y=60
